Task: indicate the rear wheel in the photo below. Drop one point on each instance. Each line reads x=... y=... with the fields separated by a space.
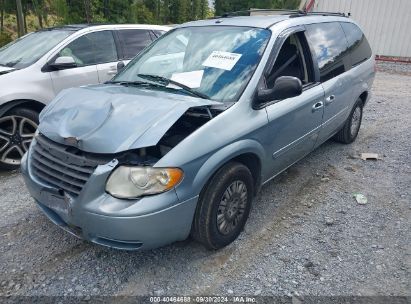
x=17 y=130
x=224 y=206
x=350 y=130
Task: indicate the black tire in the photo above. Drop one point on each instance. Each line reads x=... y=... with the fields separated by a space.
x=206 y=229
x=347 y=134
x=29 y=119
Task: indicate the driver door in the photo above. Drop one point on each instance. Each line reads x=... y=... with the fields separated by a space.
x=294 y=123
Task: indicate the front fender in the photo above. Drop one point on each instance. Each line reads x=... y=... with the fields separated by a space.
x=198 y=173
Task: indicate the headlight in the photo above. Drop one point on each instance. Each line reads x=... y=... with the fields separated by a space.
x=132 y=182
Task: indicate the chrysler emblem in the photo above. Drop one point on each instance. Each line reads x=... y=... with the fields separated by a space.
x=72 y=141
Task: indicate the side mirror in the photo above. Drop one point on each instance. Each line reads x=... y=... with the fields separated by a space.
x=63 y=62
x=120 y=66
x=284 y=87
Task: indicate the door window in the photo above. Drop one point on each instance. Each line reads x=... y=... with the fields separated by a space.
x=293 y=60
x=91 y=49
x=330 y=46
x=133 y=41
x=357 y=43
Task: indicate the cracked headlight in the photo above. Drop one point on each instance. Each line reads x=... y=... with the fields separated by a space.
x=133 y=182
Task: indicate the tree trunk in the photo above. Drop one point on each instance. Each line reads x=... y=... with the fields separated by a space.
x=20 y=18
x=25 y=21
x=87 y=6
x=106 y=9
x=1 y=16
x=40 y=18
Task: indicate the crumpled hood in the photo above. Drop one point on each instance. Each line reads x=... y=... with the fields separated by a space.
x=113 y=118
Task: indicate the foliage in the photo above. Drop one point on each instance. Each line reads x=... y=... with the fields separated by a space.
x=44 y=13
x=223 y=6
x=5 y=38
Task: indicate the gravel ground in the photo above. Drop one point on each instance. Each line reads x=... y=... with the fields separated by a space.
x=306 y=234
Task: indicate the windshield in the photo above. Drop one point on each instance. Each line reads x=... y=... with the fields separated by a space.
x=28 y=49
x=216 y=62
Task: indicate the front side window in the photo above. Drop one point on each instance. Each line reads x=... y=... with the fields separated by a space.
x=133 y=41
x=93 y=48
x=292 y=60
x=357 y=43
x=330 y=46
x=23 y=52
x=216 y=61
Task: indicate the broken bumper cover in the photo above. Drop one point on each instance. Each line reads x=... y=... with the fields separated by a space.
x=146 y=223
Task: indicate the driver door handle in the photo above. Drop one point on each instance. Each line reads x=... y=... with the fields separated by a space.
x=317 y=106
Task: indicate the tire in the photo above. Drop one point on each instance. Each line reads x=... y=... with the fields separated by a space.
x=17 y=128
x=208 y=225
x=349 y=131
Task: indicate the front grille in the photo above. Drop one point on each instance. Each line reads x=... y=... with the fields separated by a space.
x=63 y=167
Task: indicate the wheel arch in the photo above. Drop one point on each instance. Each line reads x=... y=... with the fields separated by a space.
x=248 y=152
x=26 y=103
x=364 y=97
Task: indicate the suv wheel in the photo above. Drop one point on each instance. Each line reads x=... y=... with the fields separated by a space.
x=17 y=130
x=350 y=130
x=224 y=206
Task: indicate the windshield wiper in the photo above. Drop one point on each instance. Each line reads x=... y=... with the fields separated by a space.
x=134 y=83
x=11 y=64
x=165 y=81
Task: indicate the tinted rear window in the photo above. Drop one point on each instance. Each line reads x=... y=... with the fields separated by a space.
x=133 y=41
x=357 y=43
x=330 y=46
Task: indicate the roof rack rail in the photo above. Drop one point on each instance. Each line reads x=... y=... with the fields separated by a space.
x=303 y=13
x=292 y=13
x=245 y=12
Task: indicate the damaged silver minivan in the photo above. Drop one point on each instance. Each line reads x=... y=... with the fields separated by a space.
x=181 y=140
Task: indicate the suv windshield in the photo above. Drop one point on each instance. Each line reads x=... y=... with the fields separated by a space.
x=216 y=62
x=28 y=49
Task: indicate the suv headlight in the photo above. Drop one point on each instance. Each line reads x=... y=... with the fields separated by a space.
x=132 y=182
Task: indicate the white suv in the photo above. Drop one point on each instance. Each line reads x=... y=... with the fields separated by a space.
x=34 y=68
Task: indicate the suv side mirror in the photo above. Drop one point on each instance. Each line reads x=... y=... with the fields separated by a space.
x=284 y=87
x=120 y=66
x=63 y=62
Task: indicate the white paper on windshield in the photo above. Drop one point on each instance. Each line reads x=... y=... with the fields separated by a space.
x=222 y=60
x=191 y=79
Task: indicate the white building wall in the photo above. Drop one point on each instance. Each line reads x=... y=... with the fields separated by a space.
x=386 y=23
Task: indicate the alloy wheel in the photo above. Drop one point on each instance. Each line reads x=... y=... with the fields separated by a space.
x=16 y=135
x=355 y=121
x=232 y=206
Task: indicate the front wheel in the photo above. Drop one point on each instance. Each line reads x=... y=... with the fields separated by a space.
x=17 y=129
x=224 y=206
x=349 y=131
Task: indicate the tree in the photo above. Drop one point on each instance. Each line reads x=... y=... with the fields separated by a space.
x=204 y=9
x=20 y=18
x=1 y=16
x=139 y=13
x=223 y=6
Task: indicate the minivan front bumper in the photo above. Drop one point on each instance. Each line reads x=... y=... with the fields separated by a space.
x=94 y=215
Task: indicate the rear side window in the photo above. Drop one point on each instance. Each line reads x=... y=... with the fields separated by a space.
x=330 y=46
x=93 y=48
x=357 y=43
x=133 y=41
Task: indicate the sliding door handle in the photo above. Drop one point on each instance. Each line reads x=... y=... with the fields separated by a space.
x=329 y=99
